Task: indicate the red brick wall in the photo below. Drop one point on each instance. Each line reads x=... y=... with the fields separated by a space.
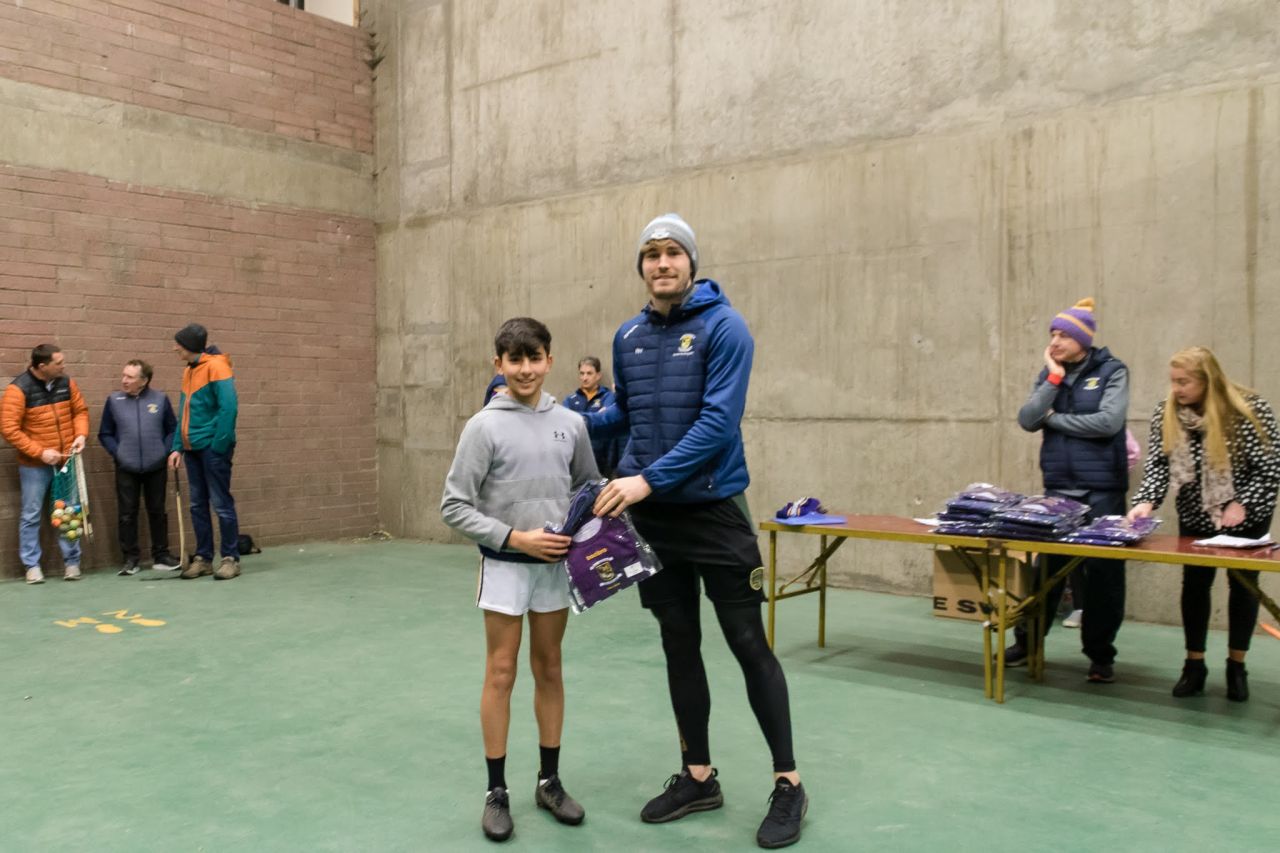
x=249 y=63
x=110 y=271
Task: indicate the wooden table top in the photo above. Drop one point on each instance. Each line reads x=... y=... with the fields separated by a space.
x=1157 y=548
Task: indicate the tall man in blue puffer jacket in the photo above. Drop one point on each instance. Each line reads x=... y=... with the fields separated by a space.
x=137 y=430
x=681 y=369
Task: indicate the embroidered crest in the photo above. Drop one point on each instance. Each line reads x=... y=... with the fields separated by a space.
x=604 y=568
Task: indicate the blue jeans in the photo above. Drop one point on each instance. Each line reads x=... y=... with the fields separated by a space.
x=35 y=484
x=209 y=474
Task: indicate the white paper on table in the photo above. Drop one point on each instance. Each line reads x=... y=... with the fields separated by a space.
x=1222 y=540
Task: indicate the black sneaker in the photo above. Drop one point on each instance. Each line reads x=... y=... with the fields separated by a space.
x=130 y=567
x=1101 y=673
x=550 y=795
x=166 y=562
x=496 y=821
x=787 y=806
x=683 y=794
x=1015 y=655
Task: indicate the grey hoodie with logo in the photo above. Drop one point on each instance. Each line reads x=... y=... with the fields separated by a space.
x=515 y=468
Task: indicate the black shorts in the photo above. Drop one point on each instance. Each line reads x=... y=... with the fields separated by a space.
x=713 y=541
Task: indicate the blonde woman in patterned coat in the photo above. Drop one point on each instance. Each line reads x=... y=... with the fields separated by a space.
x=1217 y=445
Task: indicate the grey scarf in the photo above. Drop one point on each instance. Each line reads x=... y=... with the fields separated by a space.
x=1217 y=488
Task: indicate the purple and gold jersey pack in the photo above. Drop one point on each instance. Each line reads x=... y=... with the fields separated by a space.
x=606 y=555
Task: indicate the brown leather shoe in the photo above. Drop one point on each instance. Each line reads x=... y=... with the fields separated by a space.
x=229 y=568
x=199 y=567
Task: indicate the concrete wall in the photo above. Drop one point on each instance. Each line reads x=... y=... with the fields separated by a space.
x=898 y=196
x=161 y=164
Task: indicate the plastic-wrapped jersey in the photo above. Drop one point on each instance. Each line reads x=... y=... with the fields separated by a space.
x=606 y=555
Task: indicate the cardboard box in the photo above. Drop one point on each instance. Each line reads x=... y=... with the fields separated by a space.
x=955 y=589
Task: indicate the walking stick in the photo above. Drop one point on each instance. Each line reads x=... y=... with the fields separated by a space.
x=182 y=528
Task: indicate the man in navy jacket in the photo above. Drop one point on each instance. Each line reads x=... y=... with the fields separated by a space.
x=137 y=430
x=1078 y=404
x=681 y=369
x=591 y=396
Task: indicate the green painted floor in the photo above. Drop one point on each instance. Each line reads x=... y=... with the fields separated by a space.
x=327 y=701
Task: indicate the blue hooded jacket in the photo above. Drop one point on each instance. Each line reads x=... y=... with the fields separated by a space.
x=681 y=388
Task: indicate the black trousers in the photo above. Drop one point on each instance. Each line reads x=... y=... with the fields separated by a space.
x=129 y=487
x=1100 y=584
x=1242 y=607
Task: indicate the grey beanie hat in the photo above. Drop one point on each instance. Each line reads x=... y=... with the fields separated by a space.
x=669 y=226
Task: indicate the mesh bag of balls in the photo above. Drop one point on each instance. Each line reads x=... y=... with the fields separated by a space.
x=68 y=516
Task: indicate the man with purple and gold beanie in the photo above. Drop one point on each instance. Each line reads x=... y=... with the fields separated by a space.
x=1079 y=403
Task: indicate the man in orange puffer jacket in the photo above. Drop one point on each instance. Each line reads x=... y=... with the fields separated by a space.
x=46 y=420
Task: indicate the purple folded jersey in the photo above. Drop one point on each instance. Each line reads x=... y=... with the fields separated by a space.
x=1078 y=539
x=953 y=514
x=1047 y=511
x=1029 y=532
x=990 y=494
x=964 y=505
x=605 y=557
x=1115 y=530
x=963 y=528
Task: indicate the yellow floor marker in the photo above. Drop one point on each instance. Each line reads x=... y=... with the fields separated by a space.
x=109 y=629
x=75 y=623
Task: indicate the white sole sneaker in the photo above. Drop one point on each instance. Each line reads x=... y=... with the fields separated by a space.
x=1073 y=620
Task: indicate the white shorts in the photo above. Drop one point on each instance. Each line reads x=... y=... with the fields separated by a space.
x=517 y=588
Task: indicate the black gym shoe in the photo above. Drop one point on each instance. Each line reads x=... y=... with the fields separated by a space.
x=166 y=562
x=683 y=794
x=130 y=567
x=1101 y=673
x=496 y=821
x=550 y=795
x=1015 y=655
x=787 y=806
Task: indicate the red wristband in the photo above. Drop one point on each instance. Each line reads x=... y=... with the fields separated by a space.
x=1055 y=379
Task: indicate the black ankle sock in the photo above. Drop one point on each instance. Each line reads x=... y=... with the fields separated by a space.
x=550 y=761
x=497 y=771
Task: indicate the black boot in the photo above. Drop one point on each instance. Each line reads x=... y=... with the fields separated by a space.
x=1191 y=683
x=1237 y=681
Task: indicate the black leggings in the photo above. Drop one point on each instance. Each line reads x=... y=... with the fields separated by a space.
x=687 y=677
x=1242 y=607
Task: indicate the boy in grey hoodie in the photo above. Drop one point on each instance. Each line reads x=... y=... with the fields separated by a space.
x=517 y=463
